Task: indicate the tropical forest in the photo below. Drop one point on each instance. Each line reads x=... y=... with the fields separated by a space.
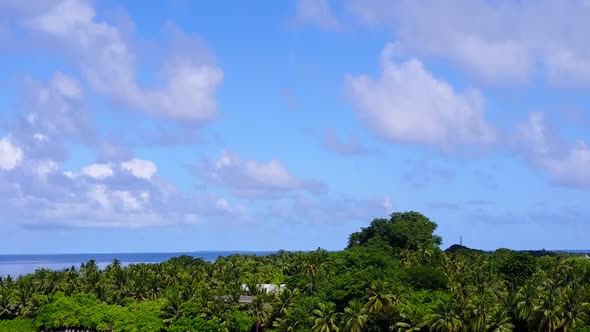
x=392 y=276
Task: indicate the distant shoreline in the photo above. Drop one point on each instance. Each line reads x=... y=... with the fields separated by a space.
x=18 y=265
x=144 y=253
x=573 y=251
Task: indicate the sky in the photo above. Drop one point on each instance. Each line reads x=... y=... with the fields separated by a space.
x=132 y=126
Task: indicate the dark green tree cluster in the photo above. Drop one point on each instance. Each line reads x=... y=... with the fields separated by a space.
x=391 y=277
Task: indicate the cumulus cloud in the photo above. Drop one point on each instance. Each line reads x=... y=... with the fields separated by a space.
x=38 y=193
x=54 y=113
x=317 y=12
x=140 y=168
x=108 y=62
x=408 y=104
x=10 y=155
x=35 y=190
x=250 y=178
x=98 y=171
x=566 y=164
x=500 y=41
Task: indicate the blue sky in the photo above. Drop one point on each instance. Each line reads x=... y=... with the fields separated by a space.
x=186 y=125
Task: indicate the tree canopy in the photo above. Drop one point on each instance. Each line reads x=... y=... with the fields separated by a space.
x=403 y=230
x=392 y=277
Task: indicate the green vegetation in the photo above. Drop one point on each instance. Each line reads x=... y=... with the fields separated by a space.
x=392 y=277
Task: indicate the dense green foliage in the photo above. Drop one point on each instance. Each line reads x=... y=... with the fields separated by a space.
x=18 y=325
x=392 y=277
x=408 y=230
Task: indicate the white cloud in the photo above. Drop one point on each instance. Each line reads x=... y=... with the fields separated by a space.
x=408 y=104
x=40 y=137
x=191 y=219
x=128 y=200
x=57 y=108
x=116 y=191
x=71 y=175
x=98 y=194
x=10 y=155
x=387 y=204
x=67 y=86
x=247 y=177
x=573 y=168
x=500 y=41
x=109 y=63
x=98 y=171
x=113 y=192
x=316 y=12
x=44 y=168
x=140 y=168
x=566 y=164
x=51 y=114
x=40 y=194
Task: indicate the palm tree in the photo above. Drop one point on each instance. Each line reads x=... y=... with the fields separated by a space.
x=500 y=321
x=90 y=276
x=378 y=297
x=172 y=308
x=24 y=292
x=481 y=302
x=444 y=319
x=282 y=262
x=413 y=318
x=354 y=317
x=407 y=257
x=260 y=310
x=285 y=300
x=139 y=280
x=525 y=301
x=49 y=281
x=37 y=301
x=425 y=253
x=8 y=309
x=285 y=324
x=575 y=312
x=550 y=318
x=118 y=278
x=189 y=289
x=312 y=267
x=549 y=310
x=325 y=318
x=72 y=278
x=101 y=289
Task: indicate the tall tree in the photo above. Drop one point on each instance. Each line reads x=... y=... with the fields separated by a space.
x=325 y=318
x=403 y=230
x=413 y=318
x=378 y=297
x=445 y=319
x=260 y=310
x=354 y=317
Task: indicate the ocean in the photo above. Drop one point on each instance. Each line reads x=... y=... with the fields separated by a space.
x=16 y=265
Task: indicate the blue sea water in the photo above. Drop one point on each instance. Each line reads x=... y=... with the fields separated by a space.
x=15 y=265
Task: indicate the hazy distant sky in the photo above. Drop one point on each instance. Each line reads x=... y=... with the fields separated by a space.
x=258 y=125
